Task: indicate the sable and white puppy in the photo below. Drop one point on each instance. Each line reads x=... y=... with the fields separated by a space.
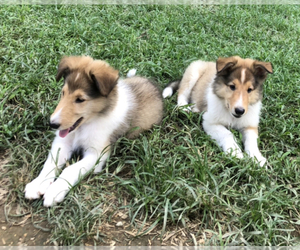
x=229 y=92
x=95 y=108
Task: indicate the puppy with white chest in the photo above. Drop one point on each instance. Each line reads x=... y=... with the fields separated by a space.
x=96 y=107
x=229 y=92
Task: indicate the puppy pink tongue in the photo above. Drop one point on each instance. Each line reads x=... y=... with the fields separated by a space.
x=63 y=133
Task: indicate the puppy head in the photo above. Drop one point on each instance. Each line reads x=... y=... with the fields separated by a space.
x=239 y=82
x=88 y=84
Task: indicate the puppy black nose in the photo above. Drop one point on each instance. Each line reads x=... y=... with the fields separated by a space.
x=239 y=111
x=54 y=125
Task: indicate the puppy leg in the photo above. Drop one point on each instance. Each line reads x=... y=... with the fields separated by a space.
x=104 y=156
x=190 y=77
x=224 y=138
x=72 y=174
x=250 y=136
x=59 y=154
x=67 y=179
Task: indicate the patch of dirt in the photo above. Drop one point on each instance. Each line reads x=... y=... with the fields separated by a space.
x=119 y=232
x=3 y=181
x=20 y=231
x=17 y=228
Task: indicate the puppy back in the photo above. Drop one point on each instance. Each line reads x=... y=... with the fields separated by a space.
x=148 y=108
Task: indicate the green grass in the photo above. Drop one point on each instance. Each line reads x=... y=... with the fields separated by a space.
x=173 y=175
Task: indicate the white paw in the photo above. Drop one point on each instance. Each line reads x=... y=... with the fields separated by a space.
x=45 y=184
x=37 y=187
x=56 y=193
x=257 y=156
x=234 y=150
x=167 y=92
x=131 y=73
x=262 y=160
x=97 y=169
x=187 y=108
x=238 y=153
x=32 y=189
x=195 y=109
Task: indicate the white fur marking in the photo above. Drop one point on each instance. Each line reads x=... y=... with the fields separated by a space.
x=182 y=101
x=55 y=118
x=168 y=92
x=239 y=103
x=131 y=73
x=78 y=74
x=243 y=76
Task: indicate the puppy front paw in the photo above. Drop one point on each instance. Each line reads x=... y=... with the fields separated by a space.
x=255 y=154
x=31 y=190
x=37 y=187
x=261 y=160
x=238 y=154
x=235 y=151
x=56 y=193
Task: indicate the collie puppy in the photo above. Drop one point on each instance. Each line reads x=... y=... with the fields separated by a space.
x=229 y=92
x=96 y=107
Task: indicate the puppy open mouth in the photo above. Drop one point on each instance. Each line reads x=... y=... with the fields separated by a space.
x=65 y=132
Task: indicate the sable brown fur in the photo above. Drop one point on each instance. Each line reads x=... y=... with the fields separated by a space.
x=149 y=109
x=94 y=81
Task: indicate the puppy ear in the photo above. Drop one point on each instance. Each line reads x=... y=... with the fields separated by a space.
x=63 y=69
x=104 y=76
x=261 y=69
x=225 y=64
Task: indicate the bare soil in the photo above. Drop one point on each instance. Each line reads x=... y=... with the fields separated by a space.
x=21 y=232
x=16 y=230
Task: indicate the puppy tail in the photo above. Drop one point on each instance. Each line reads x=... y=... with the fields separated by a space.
x=131 y=73
x=171 y=89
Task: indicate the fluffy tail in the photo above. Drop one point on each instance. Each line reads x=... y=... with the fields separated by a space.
x=171 y=89
x=131 y=73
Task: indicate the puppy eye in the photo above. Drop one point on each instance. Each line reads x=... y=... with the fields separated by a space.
x=249 y=90
x=63 y=93
x=79 y=100
x=232 y=87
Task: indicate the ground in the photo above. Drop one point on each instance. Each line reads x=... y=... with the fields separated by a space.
x=18 y=231
x=21 y=232
x=18 y=228
x=179 y=181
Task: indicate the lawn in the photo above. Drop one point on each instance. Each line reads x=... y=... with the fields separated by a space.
x=173 y=178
